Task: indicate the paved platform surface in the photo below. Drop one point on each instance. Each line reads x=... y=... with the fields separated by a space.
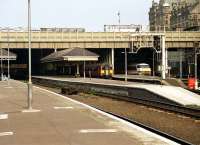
x=62 y=121
x=176 y=94
x=138 y=77
x=151 y=80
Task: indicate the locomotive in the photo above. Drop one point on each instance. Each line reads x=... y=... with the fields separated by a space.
x=98 y=71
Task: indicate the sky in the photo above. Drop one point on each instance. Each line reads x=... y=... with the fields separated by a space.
x=89 y=14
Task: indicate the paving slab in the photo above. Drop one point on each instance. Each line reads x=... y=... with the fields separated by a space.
x=63 y=121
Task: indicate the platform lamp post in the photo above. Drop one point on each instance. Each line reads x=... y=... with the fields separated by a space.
x=197 y=52
x=29 y=84
x=126 y=71
x=163 y=58
x=125 y=65
x=153 y=67
x=84 y=75
x=7 y=29
x=29 y=57
x=8 y=41
x=1 y=64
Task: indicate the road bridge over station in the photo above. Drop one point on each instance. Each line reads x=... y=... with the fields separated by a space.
x=160 y=41
x=61 y=40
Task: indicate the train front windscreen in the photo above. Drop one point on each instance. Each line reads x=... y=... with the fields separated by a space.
x=107 y=71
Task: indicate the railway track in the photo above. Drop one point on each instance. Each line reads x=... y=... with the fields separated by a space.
x=183 y=110
x=158 y=132
x=178 y=109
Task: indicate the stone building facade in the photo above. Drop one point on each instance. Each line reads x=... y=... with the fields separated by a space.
x=175 y=15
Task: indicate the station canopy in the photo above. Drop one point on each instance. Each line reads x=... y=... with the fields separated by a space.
x=71 y=54
x=4 y=55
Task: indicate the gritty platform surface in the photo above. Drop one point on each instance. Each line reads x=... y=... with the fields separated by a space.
x=62 y=121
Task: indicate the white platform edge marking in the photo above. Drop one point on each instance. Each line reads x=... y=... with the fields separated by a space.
x=6 y=133
x=30 y=111
x=113 y=117
x=8 y=87
x=56 y=108
x=3 y=116
x=98 y=130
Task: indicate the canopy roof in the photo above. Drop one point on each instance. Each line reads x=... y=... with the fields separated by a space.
x=72 y=54
x=4 y=55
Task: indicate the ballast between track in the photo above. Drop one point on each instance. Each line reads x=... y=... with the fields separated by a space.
x=163 y=134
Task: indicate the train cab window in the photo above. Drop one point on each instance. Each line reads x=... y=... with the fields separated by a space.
x=106 y=67
x=139 y=69
x=142 y=66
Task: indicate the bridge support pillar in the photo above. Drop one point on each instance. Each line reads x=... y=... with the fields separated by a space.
x=77 y=69
x=113 y=59
x=163 y=58
x=180 y=64
x=126 y=71
x=166 y=62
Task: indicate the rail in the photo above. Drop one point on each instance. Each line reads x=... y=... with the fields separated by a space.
x=183 y=110
x=158 y=132
x=178 y=109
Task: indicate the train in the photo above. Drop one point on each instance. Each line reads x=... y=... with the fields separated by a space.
x=139 y=69
x=98 y=71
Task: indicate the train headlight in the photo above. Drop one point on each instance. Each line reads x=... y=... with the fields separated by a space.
x=102 y=71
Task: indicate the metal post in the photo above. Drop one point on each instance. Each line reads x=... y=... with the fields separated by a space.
x=119 y=19
x=153 y=64
x=84 y=69
x=109 y=57
x=113 y=60
x=8 y=44
x=1 y=65
x=29 y=54
x=180 y=64
x=189 y=70
x=195 y=65
x=77 y=70
x=166 y=61
x=125 y=53
x=163 y=58
x=84 y=63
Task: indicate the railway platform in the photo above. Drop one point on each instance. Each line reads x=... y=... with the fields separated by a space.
x=139 y=78
x=59 y=120
x=166 y=94
x=151 y=80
